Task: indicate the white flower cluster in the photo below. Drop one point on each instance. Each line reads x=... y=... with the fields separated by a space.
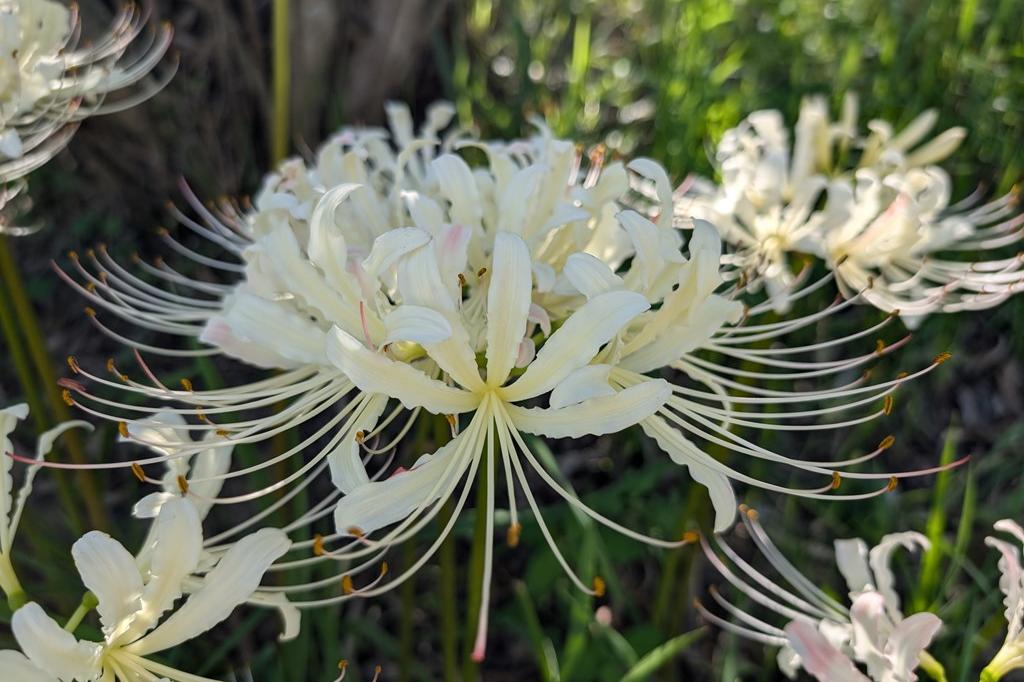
x=48 y=84
x=131 y=593
x=874 y=206
x=823 y=636
x=503 y=286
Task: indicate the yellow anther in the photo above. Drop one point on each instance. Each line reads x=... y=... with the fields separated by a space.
x=887 y=405
x=223 y=433
x=837 y=480
x=186 y=384
x=202 y=416
x=942 y=357
x=346 y=584
x=752 y=514
x=355 y=531
x=318 y=545
x=90 y=287
x=462 y=280
x=481 y=272
x=183 y=484
x=73 y=364
x=383 y=568
x=512 y=536
x=122 y=428
x=893 y=482
x=360 y=436
x=162 y=231
x=342 y=664
x=599 y=586
x=66 y=395
x=879 y=346
x=691 y=536
x=902 y=375
x=139 y=473
x=73 y=255
x=887 y=442
x=90 y=311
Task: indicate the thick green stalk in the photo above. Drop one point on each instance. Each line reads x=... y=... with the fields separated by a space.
x=470 y=669
x=447 y=593
x=281 y=120
x=88 y=603
x=34 y=340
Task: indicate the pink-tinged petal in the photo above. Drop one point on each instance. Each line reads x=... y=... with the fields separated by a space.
x=908 y=641
x=879 y=557
x=50 y=648
x=819 y=657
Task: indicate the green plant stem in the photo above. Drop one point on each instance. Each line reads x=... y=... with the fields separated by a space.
x=470 y=668
x=407 y=597
x=22 y=366
x=88 y=603
x=936 y=526
x=281 y=119
x=447 y=592
x=932 y=667
x=34 y=340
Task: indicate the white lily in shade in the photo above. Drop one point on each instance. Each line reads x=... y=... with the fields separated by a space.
x=1011 y=582
x=823 y=636
x=132 y=603
x=387 y=283
x=874 y=207
x=11 y=508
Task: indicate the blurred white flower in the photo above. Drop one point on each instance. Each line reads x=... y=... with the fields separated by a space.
x=874 y=207
x=513 y=297
x=48 y=84
x=1011 y=582
x=823 y=636
x=132 y=601
x=11 y=509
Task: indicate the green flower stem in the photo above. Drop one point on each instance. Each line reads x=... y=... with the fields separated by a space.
x=88 y=603
x=1010 y=657
x=36 y=344
x=932 y=667
x=448 y=589
x=470 y=669
x=281 y=122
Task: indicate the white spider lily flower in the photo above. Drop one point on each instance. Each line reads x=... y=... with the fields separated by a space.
x=514 y=297
x=11 y=508
x=823 y=636
x=874 y=207
x=1011 y=582
x=132 y=603
x=48 y=84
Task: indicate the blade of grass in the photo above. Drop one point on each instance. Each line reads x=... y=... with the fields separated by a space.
x=662 y=654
